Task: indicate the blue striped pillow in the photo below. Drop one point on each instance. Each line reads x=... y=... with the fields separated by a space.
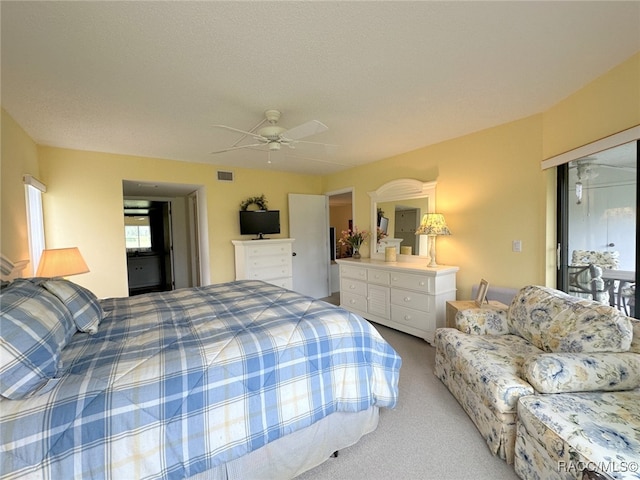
x=34 y=328
x=82 y=303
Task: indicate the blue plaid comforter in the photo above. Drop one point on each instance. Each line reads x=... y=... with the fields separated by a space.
x=175 y=383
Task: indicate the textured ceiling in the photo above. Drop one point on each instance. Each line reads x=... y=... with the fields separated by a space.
x=151 y=78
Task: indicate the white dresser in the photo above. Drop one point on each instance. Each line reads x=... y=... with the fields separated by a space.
x=269 y=260
x=409 y=297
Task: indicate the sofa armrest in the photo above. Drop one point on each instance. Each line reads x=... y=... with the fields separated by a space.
x=583 y=372
x=482 y=321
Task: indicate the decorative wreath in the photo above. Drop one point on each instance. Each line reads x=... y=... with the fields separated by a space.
x=260 y=202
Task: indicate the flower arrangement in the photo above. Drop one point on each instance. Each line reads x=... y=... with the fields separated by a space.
x=380 y=234
x=354 y=238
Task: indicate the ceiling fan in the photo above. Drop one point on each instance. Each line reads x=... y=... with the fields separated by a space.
x=273 y=136
x=587 y=167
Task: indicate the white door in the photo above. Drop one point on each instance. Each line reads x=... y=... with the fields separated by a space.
x=309 y=226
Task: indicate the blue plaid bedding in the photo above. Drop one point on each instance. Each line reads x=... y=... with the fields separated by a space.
x=175 y=383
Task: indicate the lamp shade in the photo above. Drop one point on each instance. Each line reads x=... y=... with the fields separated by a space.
x=61 y=262
x=433 y=224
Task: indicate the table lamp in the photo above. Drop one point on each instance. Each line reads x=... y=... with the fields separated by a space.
x=432 y=225
x=61 y=262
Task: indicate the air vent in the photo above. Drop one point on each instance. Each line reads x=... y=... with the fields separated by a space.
x=225 y=176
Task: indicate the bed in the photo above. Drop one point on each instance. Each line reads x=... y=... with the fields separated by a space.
x=236 y=380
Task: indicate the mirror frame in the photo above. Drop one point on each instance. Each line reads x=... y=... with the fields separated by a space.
x=401 y=189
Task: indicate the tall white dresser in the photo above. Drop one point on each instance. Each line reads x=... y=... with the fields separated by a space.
x=269 y=260
x=409 y=297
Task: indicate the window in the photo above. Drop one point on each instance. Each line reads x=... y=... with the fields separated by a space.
x=138 y=232
x=35 y=220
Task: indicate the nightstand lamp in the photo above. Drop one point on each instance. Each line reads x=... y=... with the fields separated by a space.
x=432 y=225
x=61 y=262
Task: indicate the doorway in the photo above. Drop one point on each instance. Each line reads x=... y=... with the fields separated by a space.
x=163 y=231
x=340 y=218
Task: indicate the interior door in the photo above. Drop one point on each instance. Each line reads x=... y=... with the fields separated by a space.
x=309 y=226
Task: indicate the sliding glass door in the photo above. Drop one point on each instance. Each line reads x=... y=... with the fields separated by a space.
x=597 y=227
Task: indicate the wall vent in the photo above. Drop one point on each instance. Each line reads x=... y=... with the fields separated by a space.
x=225 y=176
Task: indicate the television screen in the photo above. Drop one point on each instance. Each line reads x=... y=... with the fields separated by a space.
x=259 y=222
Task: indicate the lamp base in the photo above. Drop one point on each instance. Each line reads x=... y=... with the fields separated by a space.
x=432 y=251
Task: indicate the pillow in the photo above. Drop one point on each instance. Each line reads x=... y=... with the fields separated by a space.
x=82 y=303
x=583 y=372
x=554 y=321
x=34 y=328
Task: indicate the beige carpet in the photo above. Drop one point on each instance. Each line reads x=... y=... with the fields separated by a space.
x=427 y=436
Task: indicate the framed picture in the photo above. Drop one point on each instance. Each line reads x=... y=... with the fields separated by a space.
x=482 y=292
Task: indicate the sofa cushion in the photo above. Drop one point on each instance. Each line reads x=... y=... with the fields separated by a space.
x=491 y=365
x=482 y=321
x=583 y=372
x=554 y=321
x=597 y=429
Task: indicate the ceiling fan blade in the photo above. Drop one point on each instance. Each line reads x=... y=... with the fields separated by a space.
x=244 y=132
x=312 y=127
x=237 y=148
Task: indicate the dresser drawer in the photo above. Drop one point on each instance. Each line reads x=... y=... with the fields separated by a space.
x=351 y=301
x=267 y=273
x=268 y=261
x=411 y=299
x=413 y=318
x=348 y=285
x=265 y=250
x=378 y=276
x=351 y=271
x=282 y=282
x=414 y=282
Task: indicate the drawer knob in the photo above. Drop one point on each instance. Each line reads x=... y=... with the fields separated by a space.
x=352 y=301
x=422 y=283
x=352 y=287
x=407 y=299
x=407 y=317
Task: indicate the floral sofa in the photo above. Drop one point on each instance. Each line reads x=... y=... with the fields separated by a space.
x=552 y=383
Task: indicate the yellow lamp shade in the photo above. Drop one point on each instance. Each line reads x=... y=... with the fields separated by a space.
x=61 y=262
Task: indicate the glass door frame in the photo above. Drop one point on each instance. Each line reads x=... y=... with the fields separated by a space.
x=563 y=196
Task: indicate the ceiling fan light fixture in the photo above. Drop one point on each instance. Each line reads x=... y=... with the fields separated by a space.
x=274 y=145
x=271 y=132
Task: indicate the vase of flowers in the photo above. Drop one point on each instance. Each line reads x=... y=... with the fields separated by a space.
x=354 y=239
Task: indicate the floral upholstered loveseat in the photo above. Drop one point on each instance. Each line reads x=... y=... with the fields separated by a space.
x=529 y=361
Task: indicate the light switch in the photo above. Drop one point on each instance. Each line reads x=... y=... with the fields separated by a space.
x=516 y=246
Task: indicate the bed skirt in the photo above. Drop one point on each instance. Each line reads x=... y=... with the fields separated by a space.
x=302 y=450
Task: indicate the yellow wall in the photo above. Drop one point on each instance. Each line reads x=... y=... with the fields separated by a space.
x=19 y=157
x=491 y=191
x=608 y=105
x=83 y=207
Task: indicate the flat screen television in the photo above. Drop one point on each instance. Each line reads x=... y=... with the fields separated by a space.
x=259 y=222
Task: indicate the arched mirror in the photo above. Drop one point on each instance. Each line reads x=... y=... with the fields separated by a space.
x=397 y=208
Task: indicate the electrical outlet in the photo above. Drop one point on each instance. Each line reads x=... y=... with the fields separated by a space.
x=516 y=246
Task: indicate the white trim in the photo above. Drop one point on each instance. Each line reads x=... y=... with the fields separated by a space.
x=611 y=141
x=34 y=182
